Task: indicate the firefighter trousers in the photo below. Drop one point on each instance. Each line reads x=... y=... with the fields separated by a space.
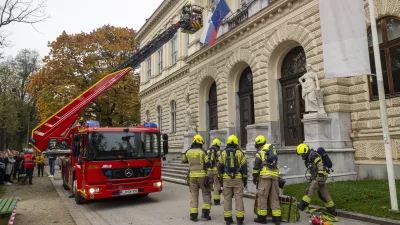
x=233 y=187
x=217 y=183
x=197 y=184
x=322 y=190
x=268 y=188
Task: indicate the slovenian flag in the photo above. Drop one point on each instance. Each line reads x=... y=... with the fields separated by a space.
x=214 y=20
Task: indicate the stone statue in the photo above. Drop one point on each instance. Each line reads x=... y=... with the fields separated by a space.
x=189 y=122
x=311 y=91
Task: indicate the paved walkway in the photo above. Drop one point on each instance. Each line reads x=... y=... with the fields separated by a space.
x=169 y=207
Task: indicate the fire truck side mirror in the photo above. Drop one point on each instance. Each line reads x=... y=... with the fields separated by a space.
x=75 y=149
x=165 y=147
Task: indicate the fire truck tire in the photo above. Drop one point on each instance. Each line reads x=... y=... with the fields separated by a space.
x=143 y=195
x=65 y=186
x=78 y=197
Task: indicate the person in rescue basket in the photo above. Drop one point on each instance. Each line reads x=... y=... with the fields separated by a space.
x=198 y=165
x=319 y=175
x=232 y=166
x=266 y=178
x=213 y=154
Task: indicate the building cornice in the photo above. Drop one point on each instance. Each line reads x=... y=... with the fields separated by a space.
x=160 y=12
x=165 y=81
x=267 y=15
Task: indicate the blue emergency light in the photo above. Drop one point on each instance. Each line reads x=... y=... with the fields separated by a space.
x=91 y=123
x=150 y=125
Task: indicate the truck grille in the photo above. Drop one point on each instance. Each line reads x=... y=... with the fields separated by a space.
x=122 y=173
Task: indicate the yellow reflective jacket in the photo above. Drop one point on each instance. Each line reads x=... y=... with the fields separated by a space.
x=212 y=159
x=261 y=167
x=242 y=163
x=198 y=162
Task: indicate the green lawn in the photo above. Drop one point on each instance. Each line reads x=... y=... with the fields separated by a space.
x=370 y=197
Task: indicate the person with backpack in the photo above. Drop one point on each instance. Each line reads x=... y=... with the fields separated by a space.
x=198 y=165
x=266 y=178
x=316 y=165
x=232 y=166
x=213 y=155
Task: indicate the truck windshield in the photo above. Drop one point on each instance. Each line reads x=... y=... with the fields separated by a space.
x=123 y=145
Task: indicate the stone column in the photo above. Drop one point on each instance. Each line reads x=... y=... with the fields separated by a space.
x=317 y=130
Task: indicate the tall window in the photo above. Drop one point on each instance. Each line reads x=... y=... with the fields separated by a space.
x=159 y=117
x=149 y=69
x=389 y=46
x=174 y=52
x=173 y=116
x=160 y=60
x=147 y=116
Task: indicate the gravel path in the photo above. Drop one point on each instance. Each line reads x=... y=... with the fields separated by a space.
x=39 y=204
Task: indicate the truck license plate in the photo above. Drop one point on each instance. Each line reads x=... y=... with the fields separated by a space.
x=129 y=192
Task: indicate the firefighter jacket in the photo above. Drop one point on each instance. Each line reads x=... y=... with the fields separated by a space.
x=198 y=161
x=226 y=163
x=28 y=161
x=316 y=166
x=263 y=167
x=213 y=158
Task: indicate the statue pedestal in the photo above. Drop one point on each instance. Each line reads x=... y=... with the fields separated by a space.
x=187 y=140
x=317 y=130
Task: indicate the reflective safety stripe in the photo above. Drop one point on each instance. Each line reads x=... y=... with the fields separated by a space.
x=262 y=212
x=232 y=160
x=217 y=197
x=317 y=159
x=276 y=212
x=329 y=204
x=239 y=214
x=323 y=172
x=269 y=172
x=213 y=169
x=206 y=206
x=194 y=210
x=227 y=213
x=202 y=173
x=256 y=171
x=238 y=176
x=306 y=199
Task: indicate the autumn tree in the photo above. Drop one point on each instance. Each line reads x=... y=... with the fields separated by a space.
x=76 y=62
x=16 y=110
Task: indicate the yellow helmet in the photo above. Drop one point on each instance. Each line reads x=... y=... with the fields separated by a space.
x=266 y=147
x=232 y=140
x=260 y=139
x=188 y=3
x=216 y=142
x=302 y=149
x=198 y=139
x=80 y=120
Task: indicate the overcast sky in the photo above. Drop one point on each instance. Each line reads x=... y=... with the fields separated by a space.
x=75 y=16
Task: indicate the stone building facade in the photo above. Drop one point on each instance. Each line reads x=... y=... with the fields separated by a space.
x=246 y=84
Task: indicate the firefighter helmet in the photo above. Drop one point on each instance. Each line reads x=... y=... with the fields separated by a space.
x=260 y=139
x=188 y=4
x=198 y=139
x=302 y=149
x=232 y=140
x=216 y=142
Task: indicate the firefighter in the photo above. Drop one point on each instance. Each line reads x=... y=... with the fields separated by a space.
x=186 y=11
x=232 y=166
x=198 y=165
x=266 y=178
x=319 y=175
x=213 y=154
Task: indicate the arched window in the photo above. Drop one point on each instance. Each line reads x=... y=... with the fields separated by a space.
x=147 y=116
x=173 y=116
x=389 y=47
x=159 y=117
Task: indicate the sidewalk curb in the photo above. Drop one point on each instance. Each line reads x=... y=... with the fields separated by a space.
x=72 y=211
x=341 y=213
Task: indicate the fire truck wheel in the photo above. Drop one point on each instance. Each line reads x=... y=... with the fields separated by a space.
x=65 y=186
x=78 y=197
x=143 y=195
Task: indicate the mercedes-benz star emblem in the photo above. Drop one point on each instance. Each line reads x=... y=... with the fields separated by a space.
x=128 y=172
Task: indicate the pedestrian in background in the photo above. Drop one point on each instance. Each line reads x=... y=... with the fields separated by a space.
x=9 y=160
x=16 y=164
x=52 y=160
x=29 y=165
x=21 y=169
x=40 y=163
x=2 y=168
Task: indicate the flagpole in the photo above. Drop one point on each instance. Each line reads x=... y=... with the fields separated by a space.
x=382 y=103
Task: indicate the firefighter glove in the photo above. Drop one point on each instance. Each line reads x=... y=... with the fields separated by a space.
x=208 y=181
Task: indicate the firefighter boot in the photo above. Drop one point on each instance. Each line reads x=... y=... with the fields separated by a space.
x=193 y=217
x=228 y=220
x=239 y=220
x=206 y=214
x=261 y=219
x=302 y=205
x=331 y=210
x=217 y=202
x=277 y=220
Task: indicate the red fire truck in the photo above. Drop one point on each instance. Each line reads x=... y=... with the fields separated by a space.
x=108 y=162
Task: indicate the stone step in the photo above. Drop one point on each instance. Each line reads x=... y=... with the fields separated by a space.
x=174 y=175
x=174 y=171
x=184 y=165
x=176 y=167
x=173 y=180
x=176 y=161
